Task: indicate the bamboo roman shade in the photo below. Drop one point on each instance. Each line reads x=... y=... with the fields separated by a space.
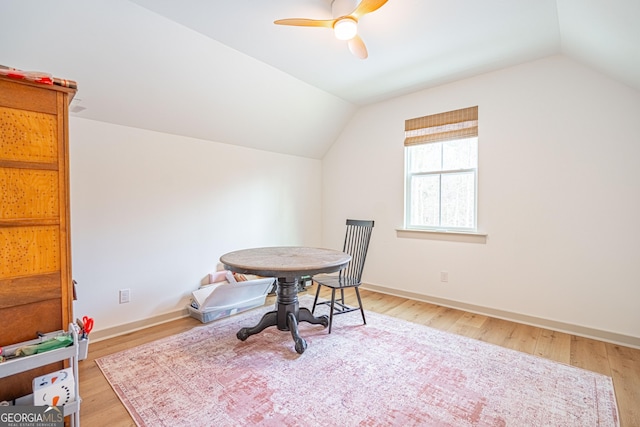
x=441 y=127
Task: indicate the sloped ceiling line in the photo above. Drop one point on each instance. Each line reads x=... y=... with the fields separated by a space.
x=222 y=71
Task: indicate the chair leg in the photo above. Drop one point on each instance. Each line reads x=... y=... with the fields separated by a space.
x=333 y=303
x=360 y=303
x=315 y=301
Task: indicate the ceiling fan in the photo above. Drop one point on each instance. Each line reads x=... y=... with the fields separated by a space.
x=345 y=25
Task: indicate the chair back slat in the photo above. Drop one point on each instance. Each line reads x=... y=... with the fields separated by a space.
x=356 y=244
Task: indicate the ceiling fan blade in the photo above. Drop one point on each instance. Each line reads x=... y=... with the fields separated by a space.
x=357 y=47
x=302 y=22
x=367 y=6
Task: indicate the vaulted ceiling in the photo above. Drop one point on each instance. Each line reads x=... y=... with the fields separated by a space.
x=221 y=70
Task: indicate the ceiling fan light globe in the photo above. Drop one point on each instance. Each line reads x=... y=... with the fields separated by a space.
x=345 y=29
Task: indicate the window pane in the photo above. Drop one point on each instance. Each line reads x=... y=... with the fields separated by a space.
x=458 y=200
x=460 y=154
x=425 y=157
x=425 y=200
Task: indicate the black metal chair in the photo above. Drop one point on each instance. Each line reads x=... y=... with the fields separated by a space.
x=356 y=244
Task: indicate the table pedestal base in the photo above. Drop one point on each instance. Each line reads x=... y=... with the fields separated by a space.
x=286 y=315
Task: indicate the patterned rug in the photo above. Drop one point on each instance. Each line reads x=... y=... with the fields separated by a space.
x=387 y=373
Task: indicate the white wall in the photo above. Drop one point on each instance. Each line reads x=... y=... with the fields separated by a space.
x=154 y=212
x=559 y=191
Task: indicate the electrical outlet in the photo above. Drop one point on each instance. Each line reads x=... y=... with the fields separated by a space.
x=125 y=296
x=444 y=276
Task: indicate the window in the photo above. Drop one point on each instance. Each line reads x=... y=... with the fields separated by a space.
x=441 y=167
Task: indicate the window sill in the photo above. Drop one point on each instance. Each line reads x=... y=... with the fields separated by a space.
x=449 y=236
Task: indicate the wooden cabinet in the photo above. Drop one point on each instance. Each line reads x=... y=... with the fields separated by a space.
x=36 y=288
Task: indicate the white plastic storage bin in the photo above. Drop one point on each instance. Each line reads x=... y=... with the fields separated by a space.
x=225 y=299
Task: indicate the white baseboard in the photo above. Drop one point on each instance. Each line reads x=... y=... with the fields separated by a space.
x=125 y=328
x=598 y=334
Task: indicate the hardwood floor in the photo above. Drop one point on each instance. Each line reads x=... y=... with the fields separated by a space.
x=101 y=407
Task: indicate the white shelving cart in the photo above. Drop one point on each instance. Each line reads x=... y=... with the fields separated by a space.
x=25 y=363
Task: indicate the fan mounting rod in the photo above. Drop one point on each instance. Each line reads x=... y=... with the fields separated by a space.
x=342 y=7
x=346 y=14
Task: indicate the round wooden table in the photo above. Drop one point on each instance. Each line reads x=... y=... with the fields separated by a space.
x=288 y=264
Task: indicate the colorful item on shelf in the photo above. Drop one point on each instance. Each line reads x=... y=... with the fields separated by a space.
x=55 y=389
x=37 y=77
x=88 y=326
x=65 y=83
x=60 y=341
x=34 y=76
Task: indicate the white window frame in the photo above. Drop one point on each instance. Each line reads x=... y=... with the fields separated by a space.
x=409 y=176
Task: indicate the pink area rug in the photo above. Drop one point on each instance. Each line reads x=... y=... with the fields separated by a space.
x=387 y=373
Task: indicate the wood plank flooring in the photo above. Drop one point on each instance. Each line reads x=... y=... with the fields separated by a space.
x=101 y=407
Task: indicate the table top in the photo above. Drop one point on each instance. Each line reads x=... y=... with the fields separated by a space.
x=285 y=261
